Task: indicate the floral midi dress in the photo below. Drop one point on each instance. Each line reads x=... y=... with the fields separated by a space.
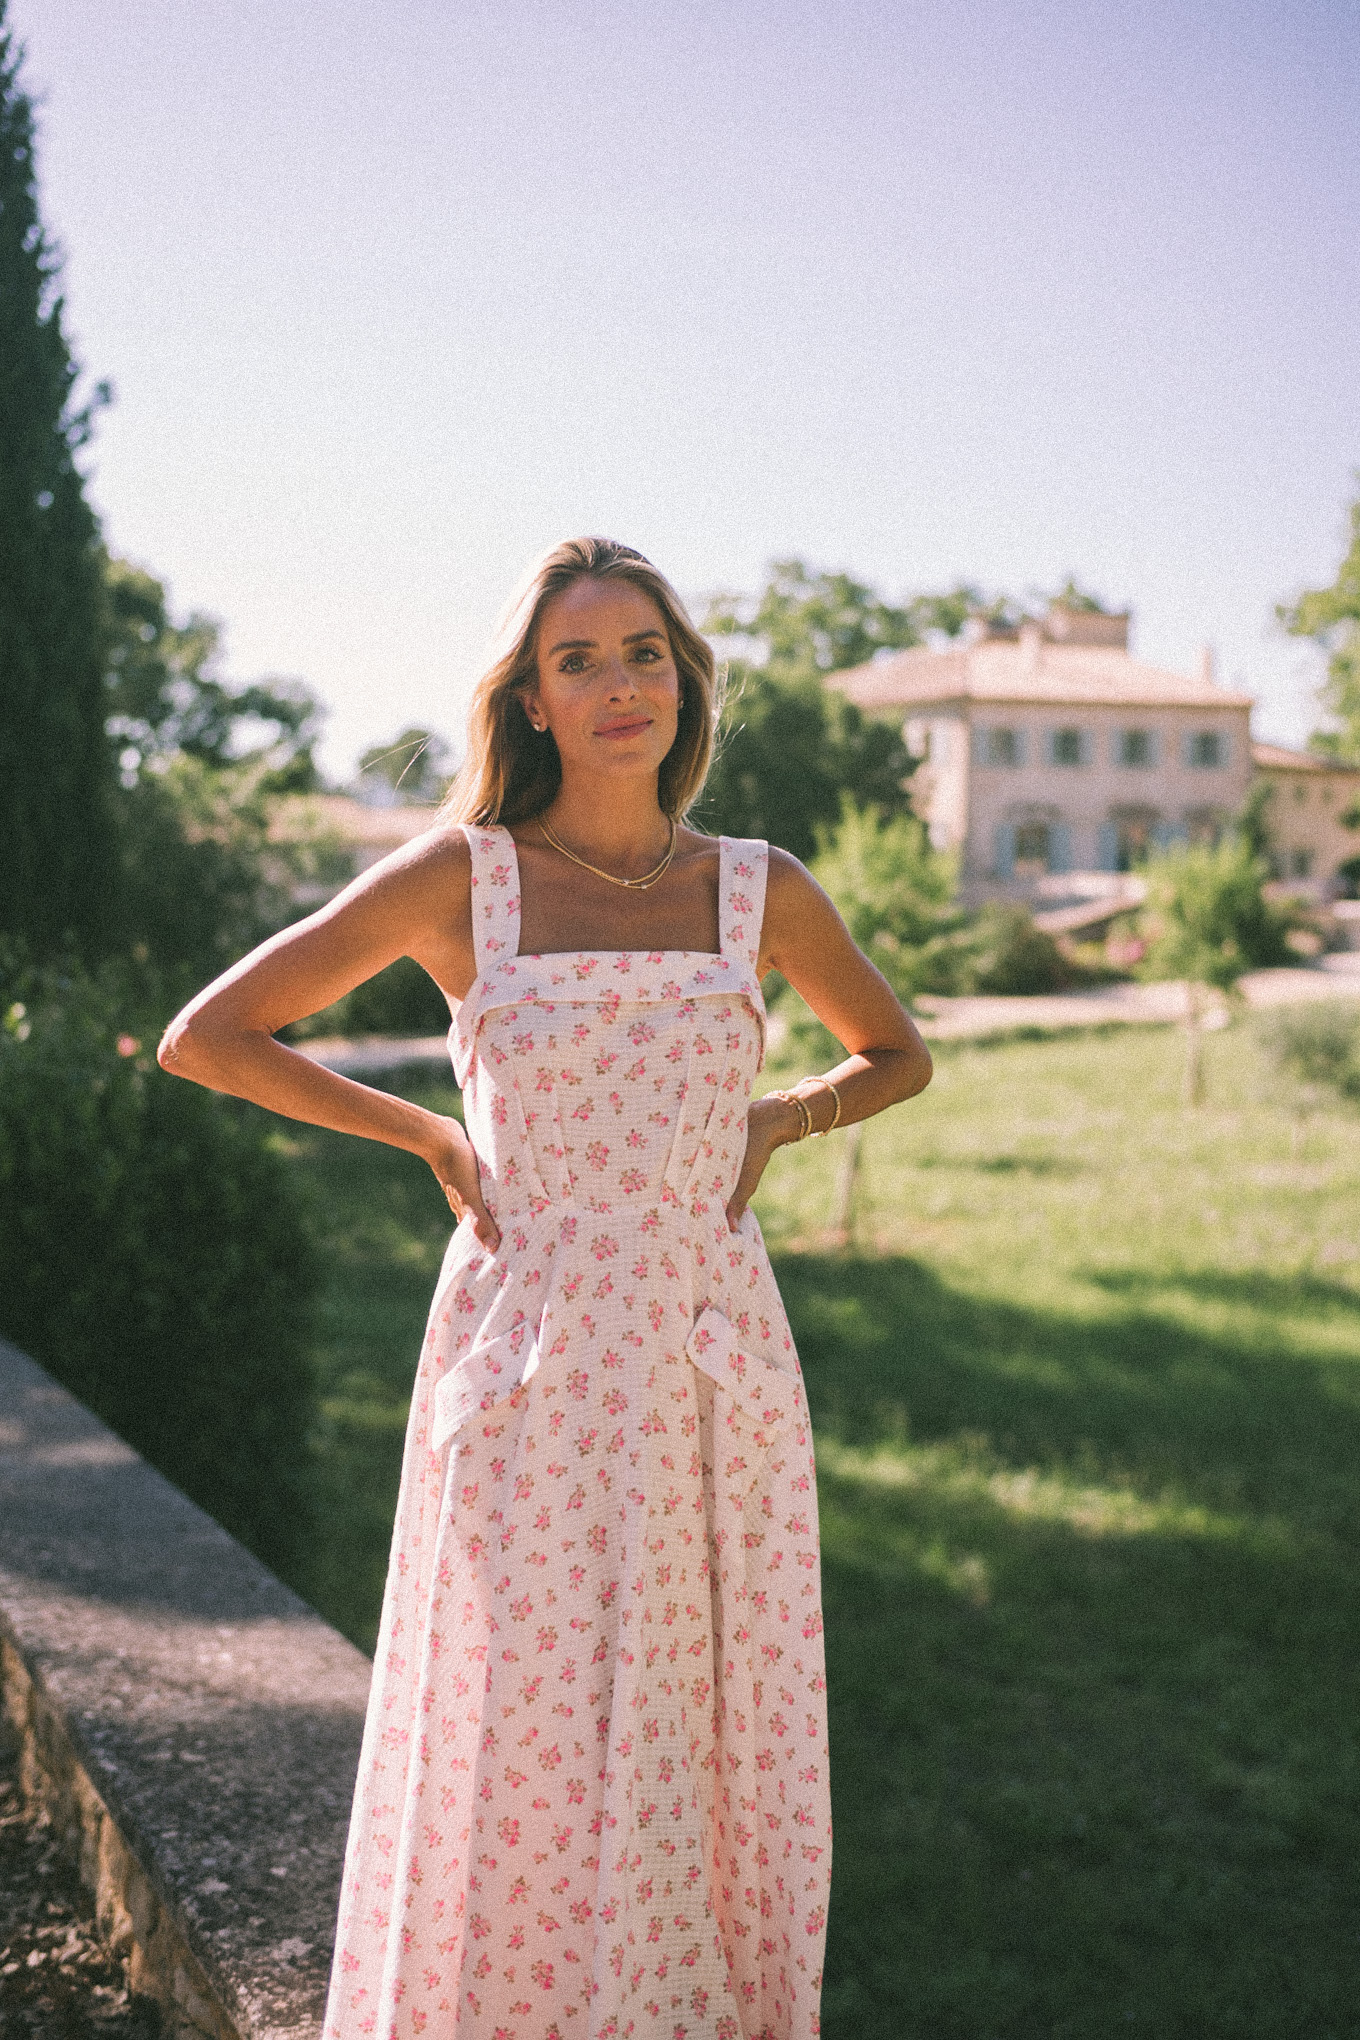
x=592 y=1798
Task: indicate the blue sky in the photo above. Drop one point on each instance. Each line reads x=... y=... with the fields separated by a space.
x=395 y=295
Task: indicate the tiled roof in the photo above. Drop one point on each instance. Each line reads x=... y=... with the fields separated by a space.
x=1079 y=675
x=353 y=821
x=1278 y=758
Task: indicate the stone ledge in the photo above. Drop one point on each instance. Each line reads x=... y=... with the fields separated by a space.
x=192 y=1725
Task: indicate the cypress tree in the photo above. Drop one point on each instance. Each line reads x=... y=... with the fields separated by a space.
x=56 y=768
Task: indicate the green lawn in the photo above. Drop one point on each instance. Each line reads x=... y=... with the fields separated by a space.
x=1087 y=1399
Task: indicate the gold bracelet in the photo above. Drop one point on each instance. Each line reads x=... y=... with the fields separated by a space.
x=804 y=1116
x=836 y=1099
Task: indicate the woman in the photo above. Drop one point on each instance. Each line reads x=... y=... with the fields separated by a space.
x=593 y=1792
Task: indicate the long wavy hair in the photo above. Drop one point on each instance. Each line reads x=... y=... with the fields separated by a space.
x=512 y=771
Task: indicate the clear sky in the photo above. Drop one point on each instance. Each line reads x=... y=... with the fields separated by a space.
x=394 y=293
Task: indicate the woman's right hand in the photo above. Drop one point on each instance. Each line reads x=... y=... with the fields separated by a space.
x=454 y=1160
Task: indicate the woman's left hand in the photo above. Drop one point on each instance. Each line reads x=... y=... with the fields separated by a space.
x=769 y=1124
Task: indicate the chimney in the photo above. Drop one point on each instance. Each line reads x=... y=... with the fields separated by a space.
x=1208 y=668
x=1094 y=629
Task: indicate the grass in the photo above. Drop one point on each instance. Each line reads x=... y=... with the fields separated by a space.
x=1087 y=1402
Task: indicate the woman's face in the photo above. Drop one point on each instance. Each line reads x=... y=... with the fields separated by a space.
x=607 y=684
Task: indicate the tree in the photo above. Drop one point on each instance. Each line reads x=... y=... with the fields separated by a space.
x=790 y=749
x=1072 y=595
x=416 y=765
x=893 y=890
x=1209 y=921
x=166 y=699
x=56 y=775
x=200 y=877
x=1331 y=617
x=823 y=623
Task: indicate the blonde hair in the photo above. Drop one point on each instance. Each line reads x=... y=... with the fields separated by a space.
x=511 y=771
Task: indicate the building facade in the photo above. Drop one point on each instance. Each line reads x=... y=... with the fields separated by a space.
x=1313 y=844
x=1050 y=749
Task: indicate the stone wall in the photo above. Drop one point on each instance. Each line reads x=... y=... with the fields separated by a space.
x=191 y=1725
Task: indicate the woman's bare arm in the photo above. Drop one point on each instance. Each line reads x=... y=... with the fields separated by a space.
x=805 y=939
x=415 y=903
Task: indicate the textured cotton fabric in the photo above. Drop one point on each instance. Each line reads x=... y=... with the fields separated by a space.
x=593 y=1798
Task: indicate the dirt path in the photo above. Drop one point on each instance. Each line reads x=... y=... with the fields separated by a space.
x=57 y=1981
x=1333 y=977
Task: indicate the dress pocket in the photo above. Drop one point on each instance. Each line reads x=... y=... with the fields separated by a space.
x=761 y=1394
x=485 y=1376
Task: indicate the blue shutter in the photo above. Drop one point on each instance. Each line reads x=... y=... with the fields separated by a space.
x=1107 y=848
x=979 y=745
x=1059 y=847
x=1154 y=748
x=1005 y=850
x=1019 y=747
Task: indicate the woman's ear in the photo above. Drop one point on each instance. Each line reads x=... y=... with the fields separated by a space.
x=530 y=703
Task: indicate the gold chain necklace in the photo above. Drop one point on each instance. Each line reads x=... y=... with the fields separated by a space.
x=633 y=884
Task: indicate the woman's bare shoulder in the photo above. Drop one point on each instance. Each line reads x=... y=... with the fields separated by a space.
x=789 y=882
x=423 y=885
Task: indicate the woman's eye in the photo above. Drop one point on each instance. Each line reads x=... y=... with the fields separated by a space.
x=648 y=654
x=574 y=662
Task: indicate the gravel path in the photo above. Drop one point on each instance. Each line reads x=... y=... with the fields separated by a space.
x=57 y=1982
x=1331 y=977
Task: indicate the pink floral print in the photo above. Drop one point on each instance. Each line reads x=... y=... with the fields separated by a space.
x=593 y=1799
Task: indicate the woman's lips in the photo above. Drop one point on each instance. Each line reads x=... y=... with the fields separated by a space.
x=626 y=729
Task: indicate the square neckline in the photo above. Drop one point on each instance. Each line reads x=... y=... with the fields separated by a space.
x=722 y=954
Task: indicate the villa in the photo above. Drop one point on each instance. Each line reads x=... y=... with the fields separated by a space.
x=1050 y=749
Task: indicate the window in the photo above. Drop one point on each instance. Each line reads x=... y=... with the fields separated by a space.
x=1066 y=747
x=1205 y=825
x=1001 y=747
x=1206 y=749
x=1135 y=841
x=1134 y=747
x=1129 y=837
x=1032 y=848
x=1300 y=864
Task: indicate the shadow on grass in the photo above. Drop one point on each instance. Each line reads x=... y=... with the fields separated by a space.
x=1286 y=1295
x=1093 y=1730
x=1003 y=1165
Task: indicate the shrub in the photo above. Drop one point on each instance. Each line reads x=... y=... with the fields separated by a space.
x=401 y=1000
x=896 y=894
x=1208 y=918
x=1007 y=954
x=894 y=891
x=198 y=880
x=152 y=1257
x=1319 y=1046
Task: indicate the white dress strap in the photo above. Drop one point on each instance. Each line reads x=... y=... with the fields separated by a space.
x=743 y=863
x=495 y=895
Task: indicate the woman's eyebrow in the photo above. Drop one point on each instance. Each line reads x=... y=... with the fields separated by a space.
x=585 y=644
